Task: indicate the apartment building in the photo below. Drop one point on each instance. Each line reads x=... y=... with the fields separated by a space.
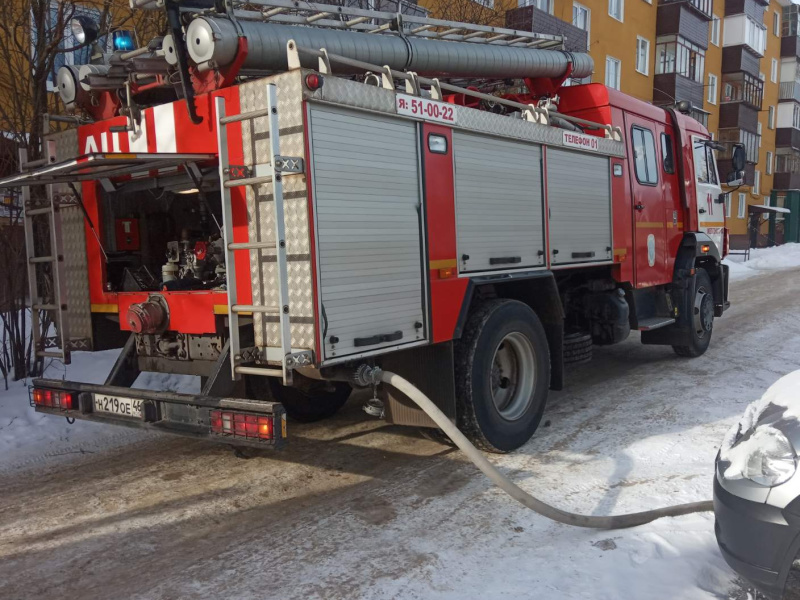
x=736 y=61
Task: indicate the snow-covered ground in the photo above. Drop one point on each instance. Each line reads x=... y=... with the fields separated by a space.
x=355 y=509
x=764 y=260
x=26 y=435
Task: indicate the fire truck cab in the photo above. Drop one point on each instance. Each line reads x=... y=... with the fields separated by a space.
x=273 y=234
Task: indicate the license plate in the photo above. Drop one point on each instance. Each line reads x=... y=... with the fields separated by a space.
x=117 y=405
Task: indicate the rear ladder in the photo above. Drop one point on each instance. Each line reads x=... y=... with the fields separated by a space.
x=52 y=297
x=258 y=174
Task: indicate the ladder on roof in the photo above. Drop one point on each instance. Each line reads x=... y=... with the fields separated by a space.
x=47 y=295
x=255 y=176
x=320 y=14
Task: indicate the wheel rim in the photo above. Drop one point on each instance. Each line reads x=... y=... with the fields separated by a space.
x=513 y=376
x=703 y=312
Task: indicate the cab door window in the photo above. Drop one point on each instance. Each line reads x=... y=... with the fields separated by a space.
x=644 y=156
x=704 y=167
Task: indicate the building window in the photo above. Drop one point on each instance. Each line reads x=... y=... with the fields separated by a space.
x=616 y=9
x=771 y=118
x=757 y=183
x=582 y=19
x=769 y=163
x=727 y=206
x=675 y=54
x=642 y=55
x=776 y=23
x=644 y=155
x=62 y=13
x=755 y=35
x=742 y=205
x=758 y=130
x=714 y=36
x=773 y=73
x=544 y=5
x=712 y=89
x=613 y=69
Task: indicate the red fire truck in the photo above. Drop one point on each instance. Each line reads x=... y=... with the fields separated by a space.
x=272 y=199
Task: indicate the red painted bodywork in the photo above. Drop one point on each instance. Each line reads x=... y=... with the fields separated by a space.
x=671 y=203
x=447 y=294
x=187 y=315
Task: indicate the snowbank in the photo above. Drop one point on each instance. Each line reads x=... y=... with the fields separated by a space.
x=764 y=260
x=26 y=434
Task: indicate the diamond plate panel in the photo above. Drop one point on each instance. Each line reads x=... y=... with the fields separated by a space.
x=263 y=268
x=345 y=92
x=73 y=233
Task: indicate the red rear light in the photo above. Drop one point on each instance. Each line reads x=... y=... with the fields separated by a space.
x=313 y=81
x=265 y=428
x=242 y=424
x=53 y=399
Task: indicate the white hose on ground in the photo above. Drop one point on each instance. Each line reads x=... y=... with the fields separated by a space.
x=520 y=495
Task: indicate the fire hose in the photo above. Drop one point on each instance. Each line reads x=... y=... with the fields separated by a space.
x=375 y=375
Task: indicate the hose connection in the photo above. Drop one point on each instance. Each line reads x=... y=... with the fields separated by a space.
x=366 y=376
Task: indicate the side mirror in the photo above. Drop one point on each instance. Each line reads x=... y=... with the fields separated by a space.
x=739 y=157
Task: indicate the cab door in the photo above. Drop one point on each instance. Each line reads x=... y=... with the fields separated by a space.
x=649 y=236
x=710 y=213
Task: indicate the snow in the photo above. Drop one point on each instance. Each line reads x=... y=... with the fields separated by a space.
x=763 y=260
x=637 y=429
x=763 y=440
x=26 y=434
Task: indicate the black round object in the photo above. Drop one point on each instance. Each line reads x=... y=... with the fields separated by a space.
x=699 y=305
x=502 y=368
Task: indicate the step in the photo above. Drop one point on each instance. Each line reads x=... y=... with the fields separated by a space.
x=654 y=323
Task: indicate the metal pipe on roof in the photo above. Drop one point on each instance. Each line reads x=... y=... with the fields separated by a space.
x=213 y=42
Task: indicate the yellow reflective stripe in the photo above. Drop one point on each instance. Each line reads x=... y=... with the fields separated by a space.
x=105 y=308
x=445 y=263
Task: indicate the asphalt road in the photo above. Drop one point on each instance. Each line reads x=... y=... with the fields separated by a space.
x=356 y=508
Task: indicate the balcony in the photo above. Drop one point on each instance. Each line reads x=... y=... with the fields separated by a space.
x=729 y=137
x=678 y=20
x=669 y=88
x=790 y=90
x=736 y=59
x=701 y=7
x=787 y=170
x=735 y=115
x=744 y=88
x=530 y=18
x=787 y=137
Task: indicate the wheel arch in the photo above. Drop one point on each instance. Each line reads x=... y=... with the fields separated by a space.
x=691 y=255
x=536 y=289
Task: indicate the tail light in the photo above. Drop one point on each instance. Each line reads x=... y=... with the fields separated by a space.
x=243 y=425
x=53 y=399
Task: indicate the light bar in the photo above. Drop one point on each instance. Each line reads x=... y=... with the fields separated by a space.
x=52 y=399
x=243 y=425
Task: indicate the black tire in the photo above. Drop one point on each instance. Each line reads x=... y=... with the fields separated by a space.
x=308 y=401
x=791 y=589
x=699 y=305
x=577 y=348
x=499 y=413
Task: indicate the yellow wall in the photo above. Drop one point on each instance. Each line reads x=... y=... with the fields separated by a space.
x=609 y=37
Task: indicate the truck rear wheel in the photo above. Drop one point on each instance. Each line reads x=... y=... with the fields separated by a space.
x=308 y=401
x=502 y=368
x=699 y=303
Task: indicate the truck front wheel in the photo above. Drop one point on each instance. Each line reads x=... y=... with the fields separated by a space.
x=502 y=368
x=308 y=401
x=699 y=303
